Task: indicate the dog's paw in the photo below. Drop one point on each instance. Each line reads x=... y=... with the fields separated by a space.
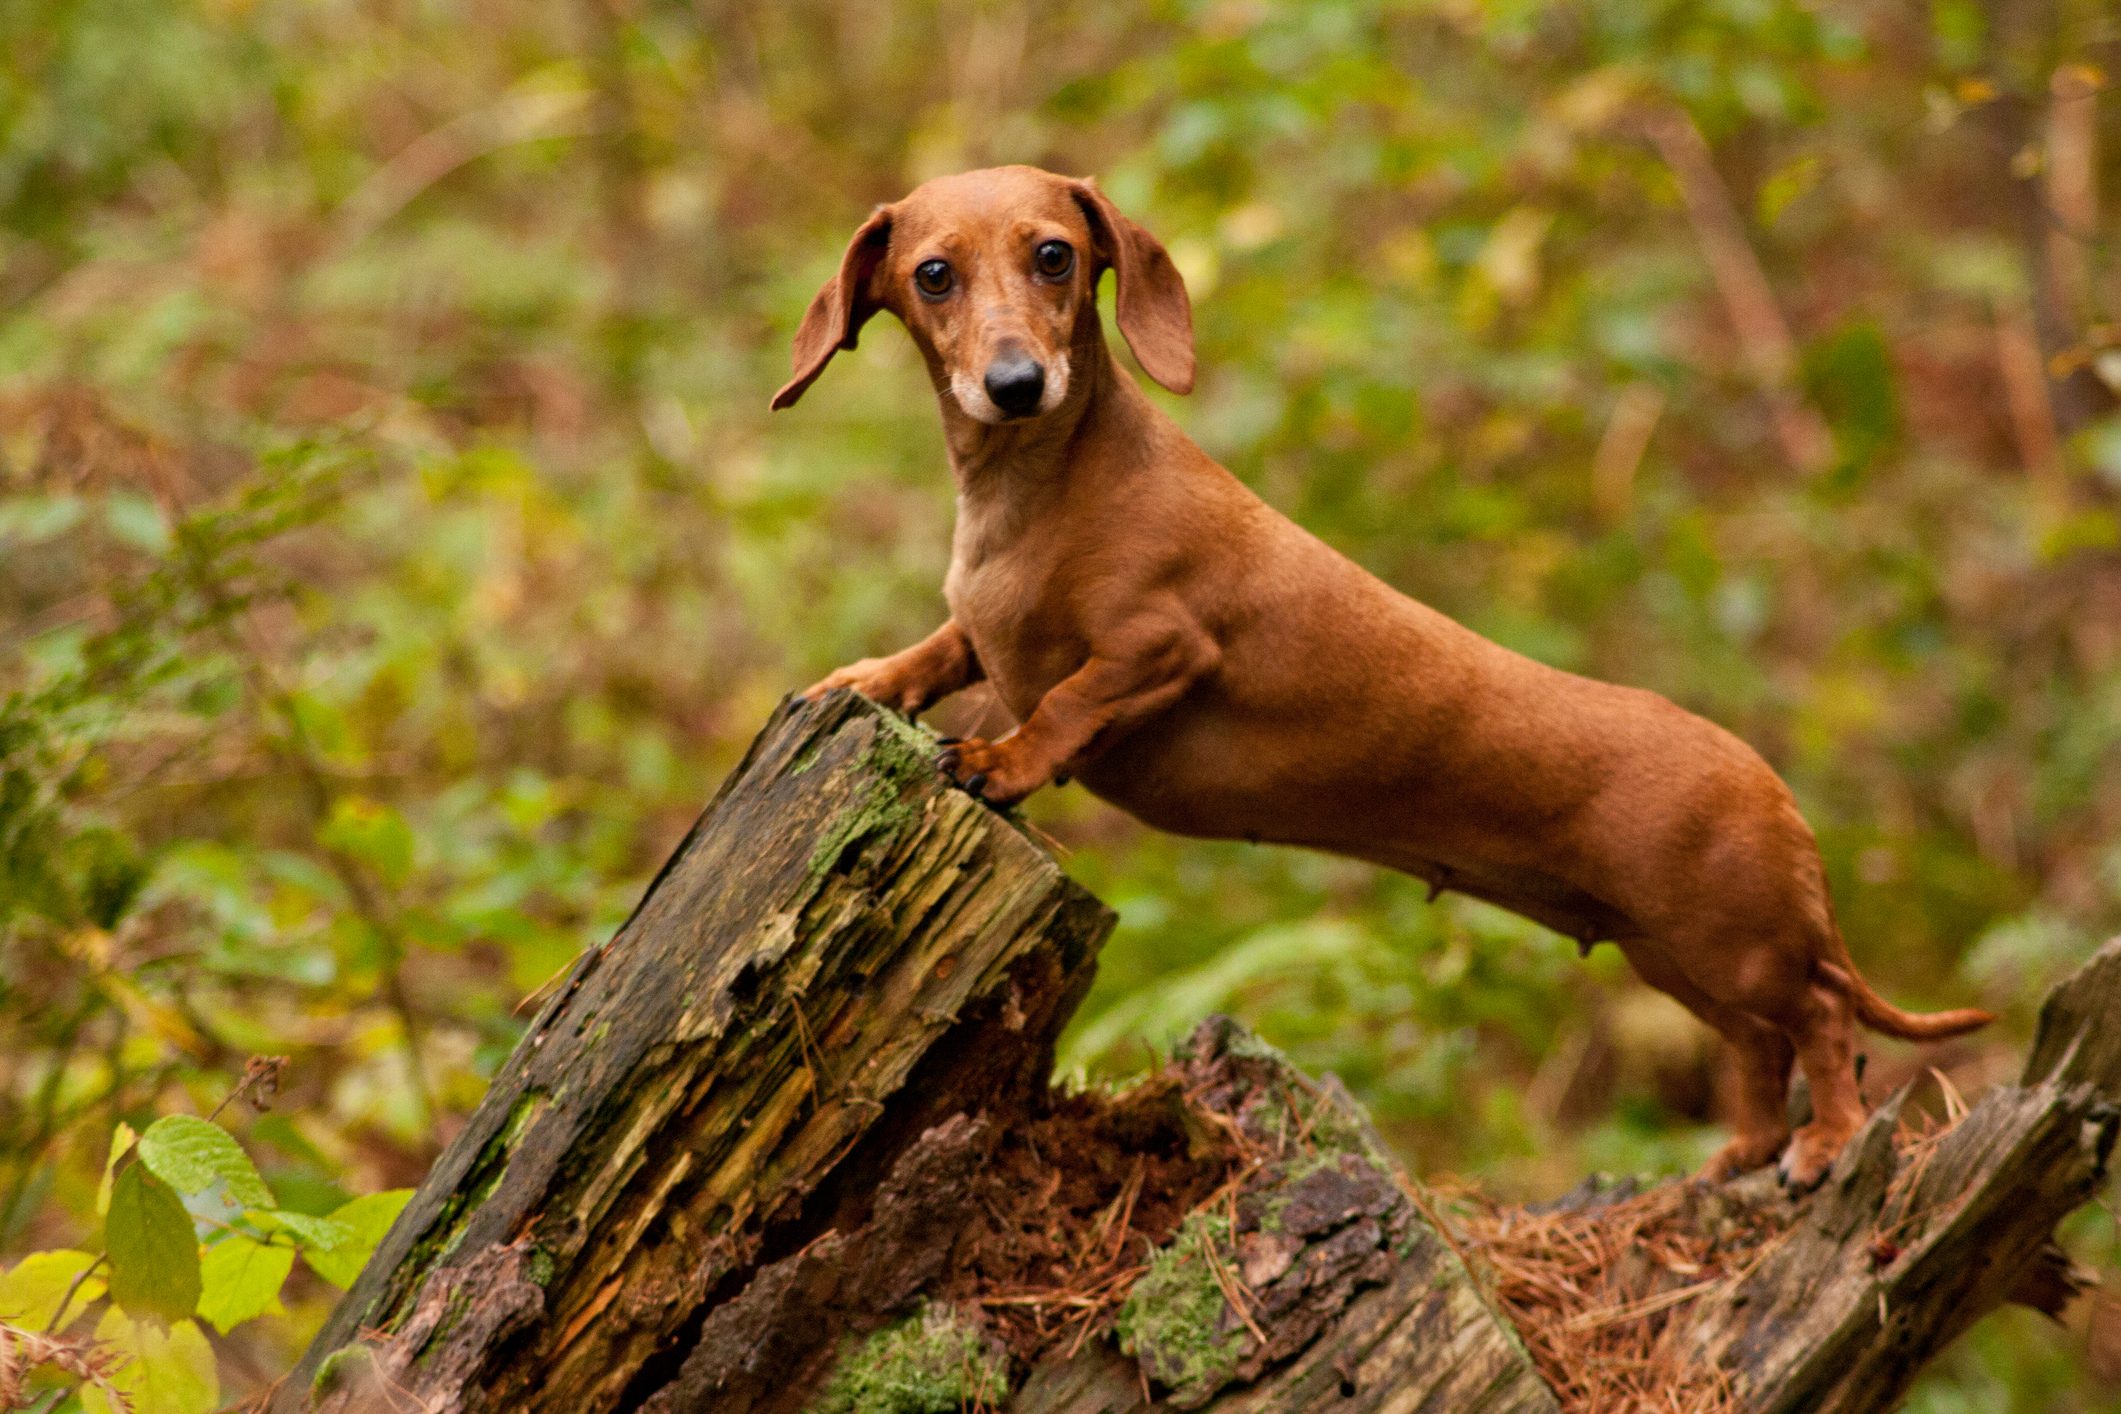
x=990 y=770
x=873 y=678
x=1742 y=1154
x=1807 y=1158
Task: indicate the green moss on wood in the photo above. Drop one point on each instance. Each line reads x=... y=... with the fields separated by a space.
x=934 y=1362
x=447 y=1230
x=900 y=753
x=459 y=1306
x=336 y=1369
x=1326 y=1119
x=1177 y=1321
x=808 y=756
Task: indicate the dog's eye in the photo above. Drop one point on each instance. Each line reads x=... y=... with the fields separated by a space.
x=1054 y=258
x=933 y=277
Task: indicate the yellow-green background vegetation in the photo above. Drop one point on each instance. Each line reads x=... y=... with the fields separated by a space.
x=395 y=548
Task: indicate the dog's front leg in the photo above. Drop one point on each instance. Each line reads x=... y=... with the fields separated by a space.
x=912 y=681
x=1130 y=676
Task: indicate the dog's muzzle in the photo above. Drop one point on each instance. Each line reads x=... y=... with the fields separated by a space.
x=1016 y=385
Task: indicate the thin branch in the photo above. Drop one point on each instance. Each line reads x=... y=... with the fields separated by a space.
x=1770 y=349
x=1621 y=448
x=2025 y=389
x=66 y=1299
x=518 y=117
x=2072 y=184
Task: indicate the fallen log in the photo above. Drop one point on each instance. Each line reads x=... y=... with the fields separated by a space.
x=788 y=1143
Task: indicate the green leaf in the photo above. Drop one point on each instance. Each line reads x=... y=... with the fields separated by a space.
x=1787 y=183
x=1850 y=375
x=323 y=1234
x=121 y=1139
x=190 y=1155
x=26 y=520
x=163 y=1372
x=241 y=1278
x=30 y=1291
x=372 y=832
x=365 y=1220
x=138 y=521
x=154 y=1256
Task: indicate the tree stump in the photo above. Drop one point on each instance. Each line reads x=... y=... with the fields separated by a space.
x=841 y=954
x=787 y=1143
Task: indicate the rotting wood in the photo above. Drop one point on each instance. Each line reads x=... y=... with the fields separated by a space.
x=1320 y=1248
x=842 y=953
x=1907 y=1245
x=787 y=1144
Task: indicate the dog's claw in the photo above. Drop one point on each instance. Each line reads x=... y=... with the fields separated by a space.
x=950 y=761
x=1790 y=1182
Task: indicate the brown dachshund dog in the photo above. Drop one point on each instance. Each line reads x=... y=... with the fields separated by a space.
x=1163 y=635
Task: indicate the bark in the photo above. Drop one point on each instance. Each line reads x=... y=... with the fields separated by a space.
x=787 y=1143
x=1905 y=1247
x=841 y=954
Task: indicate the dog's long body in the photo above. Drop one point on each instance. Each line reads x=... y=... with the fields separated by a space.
x=1209 y=666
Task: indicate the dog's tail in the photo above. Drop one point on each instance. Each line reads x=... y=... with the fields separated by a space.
x=1879 y=1014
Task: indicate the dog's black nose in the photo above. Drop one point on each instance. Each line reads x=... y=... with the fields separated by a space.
x=1016 y=385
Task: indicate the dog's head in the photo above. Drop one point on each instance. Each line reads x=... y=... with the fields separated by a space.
x=993 y=273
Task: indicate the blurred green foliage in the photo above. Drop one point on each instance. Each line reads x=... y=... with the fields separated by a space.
x=395 y=549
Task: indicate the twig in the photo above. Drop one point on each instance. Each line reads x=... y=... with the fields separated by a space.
x=1234 y=1291
x=2025 y=389
x=66 y=1297
x=1763 y=334
x=1636 y=1310
x=518 y=117
x=1619 y=457
x=260 y=1074
x=295 y=751
x=2072 y=183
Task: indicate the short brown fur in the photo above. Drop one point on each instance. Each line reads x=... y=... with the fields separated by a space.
x=1194 y=657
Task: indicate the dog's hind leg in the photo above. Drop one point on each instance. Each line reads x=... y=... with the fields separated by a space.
x=1824 y=1030
x=1771 y=976
x=1757 y=1058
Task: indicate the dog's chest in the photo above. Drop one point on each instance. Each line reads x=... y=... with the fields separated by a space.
x=1027 y=637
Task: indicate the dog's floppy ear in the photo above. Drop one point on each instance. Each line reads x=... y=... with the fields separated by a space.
x=838 y=311
x=1153 y=311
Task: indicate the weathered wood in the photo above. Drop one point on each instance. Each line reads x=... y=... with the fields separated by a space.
x=842 y=953
x=1902 y=1250
x=1424 y=1341
x=787 y=1144
x=1364 y=1304
x=1905 y=1246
